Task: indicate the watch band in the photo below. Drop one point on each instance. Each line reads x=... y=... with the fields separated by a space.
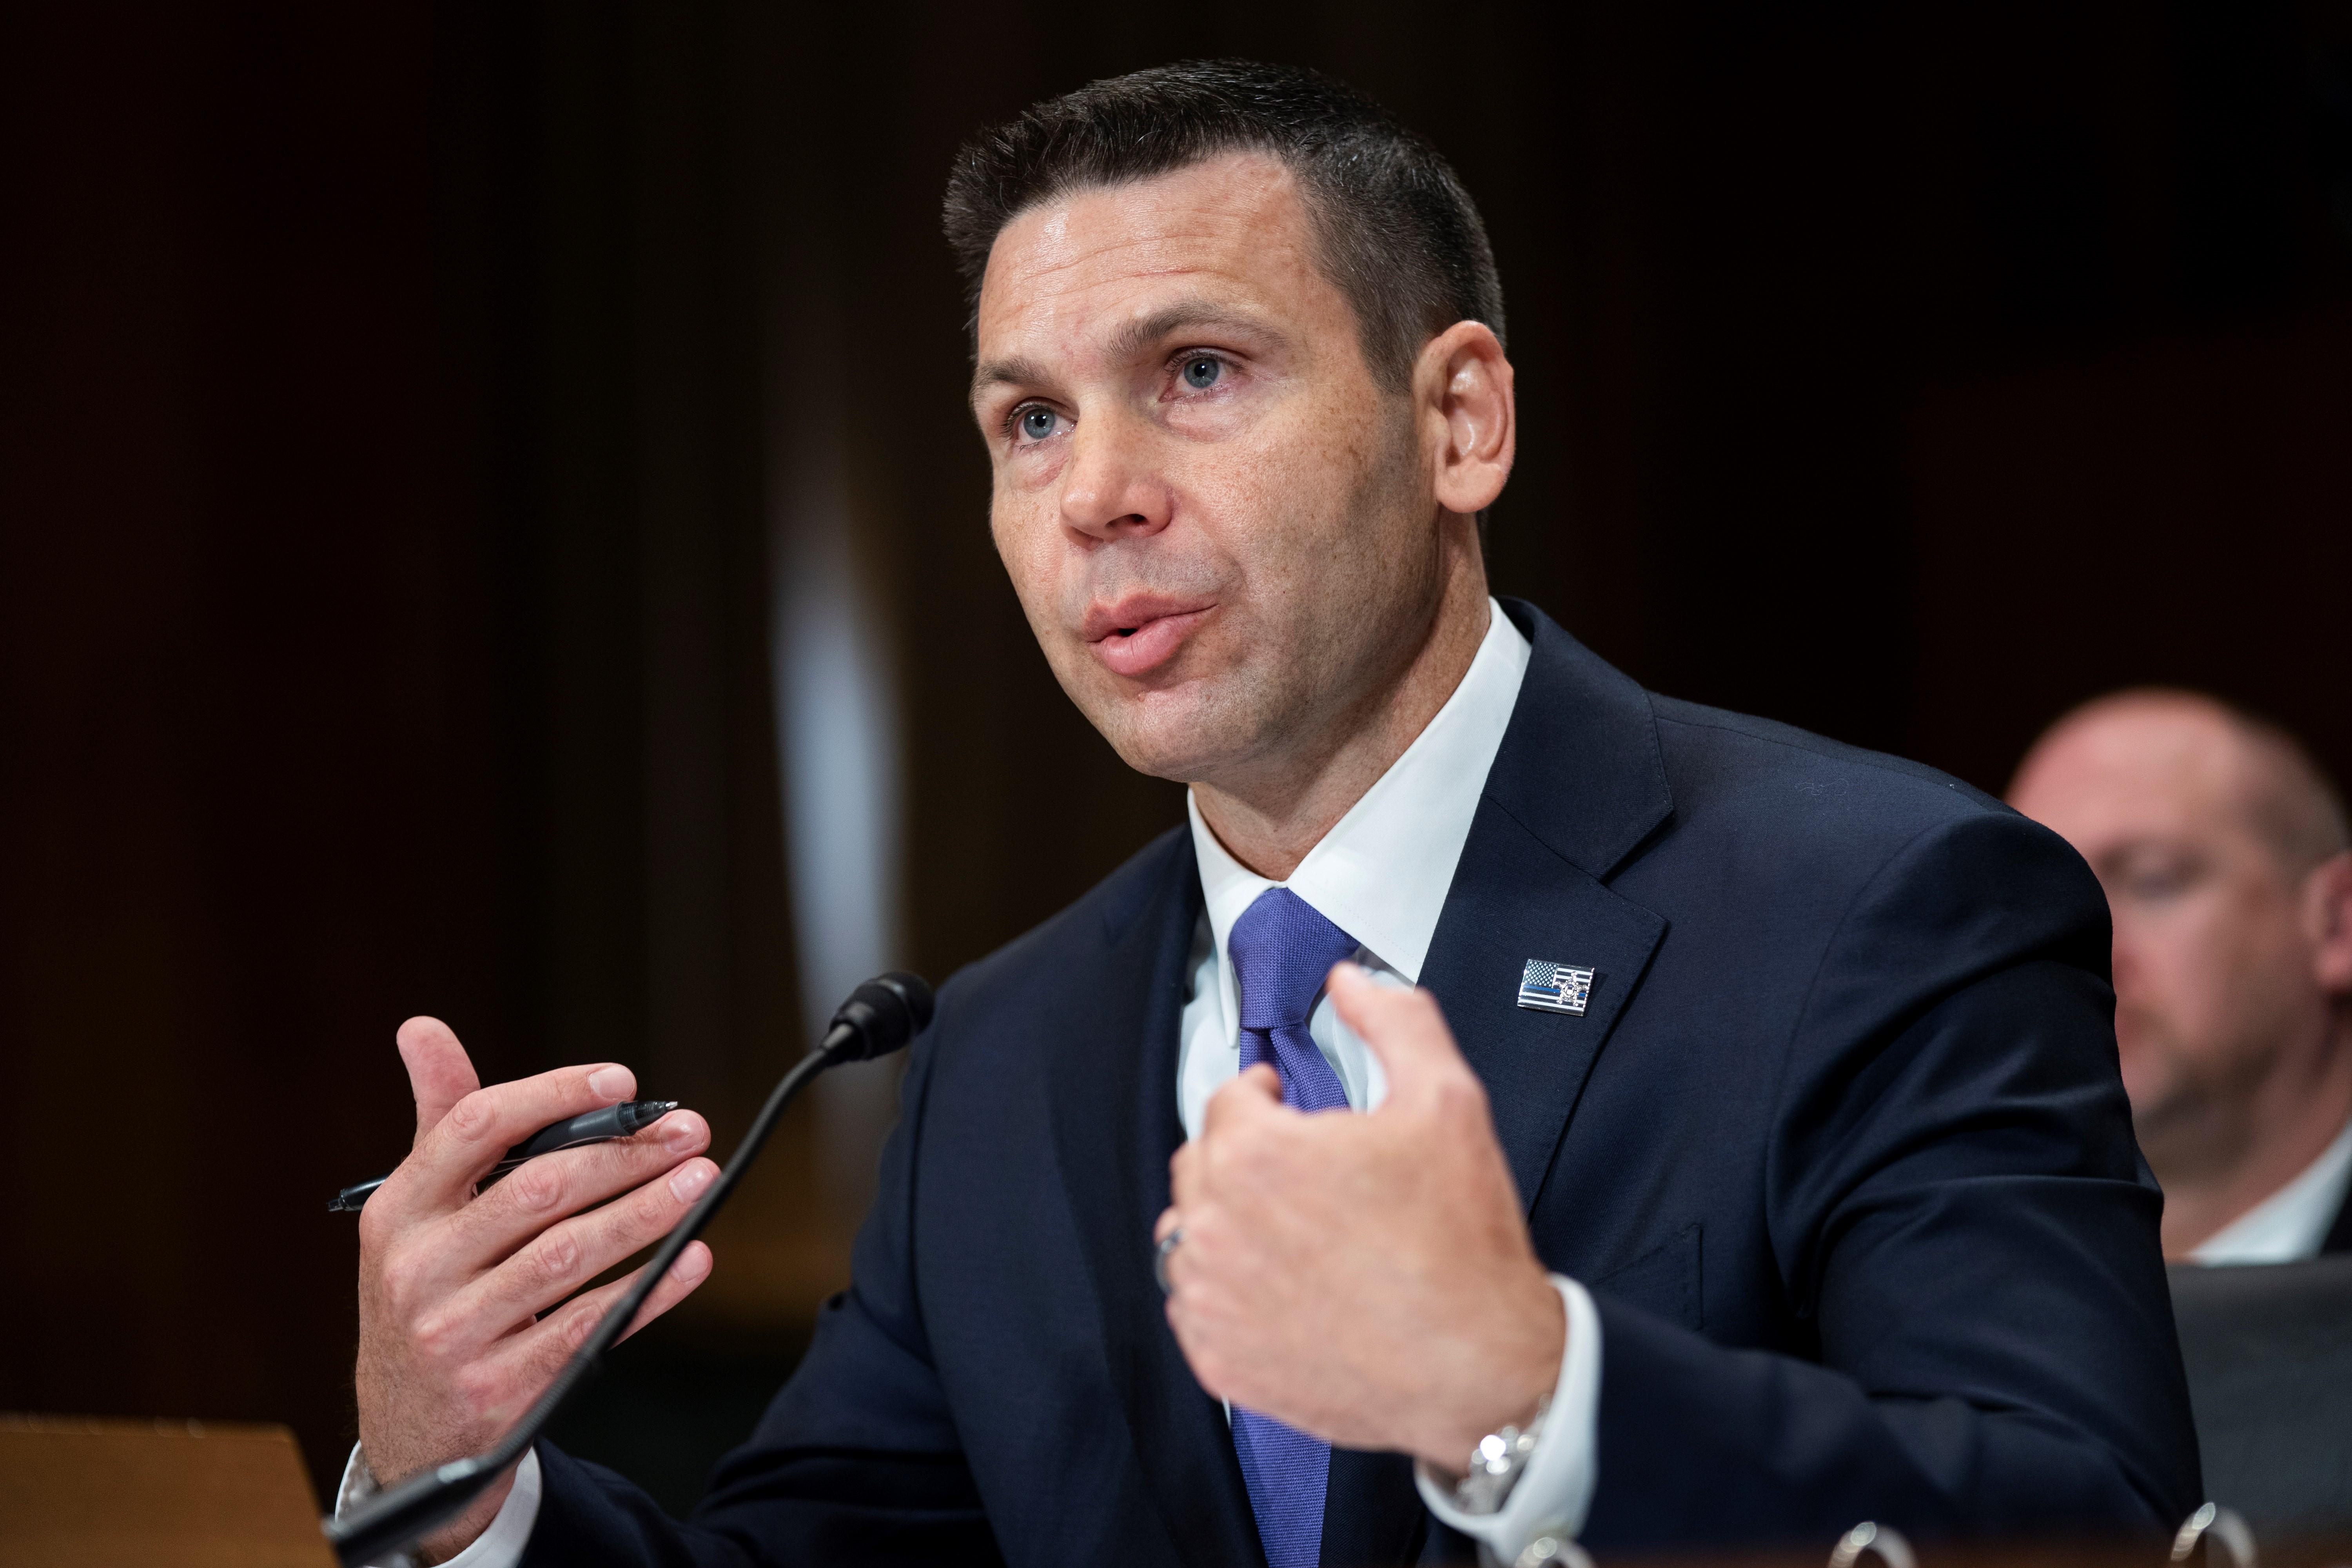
x=1495 y=1464
x=1551 y=1549
x=359 y=1485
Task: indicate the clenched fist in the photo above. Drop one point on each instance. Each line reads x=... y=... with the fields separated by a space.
x=1366 y=1279
x=463 y=1316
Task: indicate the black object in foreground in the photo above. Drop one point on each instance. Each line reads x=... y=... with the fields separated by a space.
x=604 y=1126
x=879 y=1017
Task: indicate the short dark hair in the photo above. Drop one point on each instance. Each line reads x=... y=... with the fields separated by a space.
x=1398 y=234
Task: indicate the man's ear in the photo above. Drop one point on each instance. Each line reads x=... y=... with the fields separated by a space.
x=2327 y=916
x=1463 y=384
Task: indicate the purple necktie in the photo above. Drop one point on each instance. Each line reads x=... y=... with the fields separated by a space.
x=1281 y=950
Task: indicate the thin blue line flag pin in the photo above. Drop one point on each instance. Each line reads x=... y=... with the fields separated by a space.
x=1550 y=987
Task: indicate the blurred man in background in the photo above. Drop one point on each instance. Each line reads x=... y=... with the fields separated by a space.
x=2223 y=850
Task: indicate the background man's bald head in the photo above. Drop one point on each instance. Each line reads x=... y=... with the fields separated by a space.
x=2202 y=748
x=2220 y=845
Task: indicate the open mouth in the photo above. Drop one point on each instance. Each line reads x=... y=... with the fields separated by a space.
x=1135 y=644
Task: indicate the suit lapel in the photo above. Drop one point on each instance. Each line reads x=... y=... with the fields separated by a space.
x=1113 y=1088
x=1513 y=901
x=1578 y=785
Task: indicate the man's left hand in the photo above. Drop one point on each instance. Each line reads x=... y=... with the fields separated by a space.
x=1366 y=1279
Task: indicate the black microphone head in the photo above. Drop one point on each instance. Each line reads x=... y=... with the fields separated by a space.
x=882 y=1015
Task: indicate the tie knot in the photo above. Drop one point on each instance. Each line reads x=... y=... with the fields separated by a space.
x=1281 y=949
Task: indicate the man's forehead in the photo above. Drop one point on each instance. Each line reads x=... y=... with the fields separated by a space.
x=1231 y=225
x=2153 y=760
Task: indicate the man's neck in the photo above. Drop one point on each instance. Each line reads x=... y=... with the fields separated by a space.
x=2289 y=1124
x=1270 y=828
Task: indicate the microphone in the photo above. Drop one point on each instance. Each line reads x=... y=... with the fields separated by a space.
x=880 y=1016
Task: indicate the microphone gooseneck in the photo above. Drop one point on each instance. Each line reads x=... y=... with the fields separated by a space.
x=880 y=1016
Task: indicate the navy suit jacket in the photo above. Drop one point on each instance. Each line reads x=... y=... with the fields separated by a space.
x=1838 y=1146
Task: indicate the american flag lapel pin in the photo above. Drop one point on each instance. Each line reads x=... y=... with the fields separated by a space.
x=1551 y=987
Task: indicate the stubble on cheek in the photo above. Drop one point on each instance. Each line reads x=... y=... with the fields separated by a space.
x=1337 y=581
x=1319 y=572
x=1371 y=587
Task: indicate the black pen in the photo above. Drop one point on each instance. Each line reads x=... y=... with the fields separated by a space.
x=594 y=1127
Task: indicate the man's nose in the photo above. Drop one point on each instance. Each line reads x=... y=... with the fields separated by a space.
x=1112 y=488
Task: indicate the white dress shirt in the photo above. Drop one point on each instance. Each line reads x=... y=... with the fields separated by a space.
x=1381 y=875
x=2290 y=1224
x=500 y=1546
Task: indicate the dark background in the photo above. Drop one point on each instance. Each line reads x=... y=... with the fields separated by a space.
x=396 y=403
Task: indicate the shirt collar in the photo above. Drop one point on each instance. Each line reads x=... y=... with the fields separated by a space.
x=2291 y=1224
x=1383 y=873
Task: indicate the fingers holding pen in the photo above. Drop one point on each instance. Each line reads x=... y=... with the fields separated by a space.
x=552 y=1185
x=560 y=1258
x=543 y=1191
x=477 y=1129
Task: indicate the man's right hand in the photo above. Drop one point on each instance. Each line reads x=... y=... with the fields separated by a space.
x=463 y=1317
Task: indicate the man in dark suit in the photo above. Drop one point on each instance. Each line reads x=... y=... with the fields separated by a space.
x=2227 y=869
x=1741 y=1152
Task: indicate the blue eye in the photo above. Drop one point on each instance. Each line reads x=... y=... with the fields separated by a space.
x=1200 y=372
x=1037 y=423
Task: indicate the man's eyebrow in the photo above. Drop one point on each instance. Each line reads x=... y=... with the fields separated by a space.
x=998 y=371
x=1182 y=316
x=1131 y=340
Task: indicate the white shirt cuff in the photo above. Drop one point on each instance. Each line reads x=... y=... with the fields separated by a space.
x=1554 y=1493
x=500 y=1546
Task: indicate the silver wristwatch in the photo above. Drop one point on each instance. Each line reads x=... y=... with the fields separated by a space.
x=359 y=1485
x=1496 y=1463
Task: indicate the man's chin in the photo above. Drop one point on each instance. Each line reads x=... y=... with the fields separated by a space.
x=1180 y=733
x=1176 y=760
x=2181 y=1125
